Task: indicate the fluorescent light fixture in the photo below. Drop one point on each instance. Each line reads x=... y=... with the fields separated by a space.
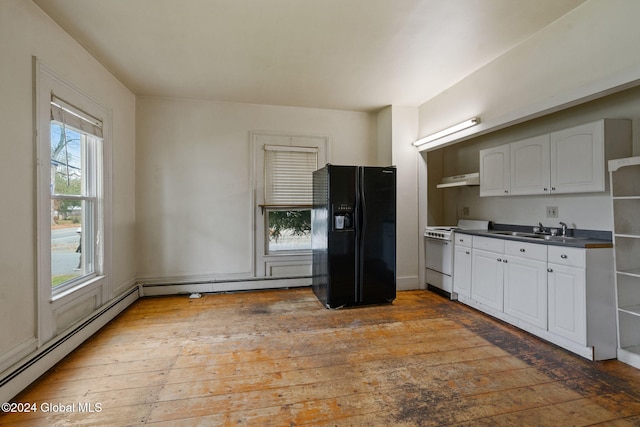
x=448 y=131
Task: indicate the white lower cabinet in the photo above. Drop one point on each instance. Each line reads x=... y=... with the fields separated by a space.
x=462 y=266
x=582 y=298
x=562 y=294
x=525 y=282
x=487 y=272
x=567 y=302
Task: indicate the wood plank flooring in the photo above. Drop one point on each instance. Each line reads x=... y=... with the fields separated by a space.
x=278 y=358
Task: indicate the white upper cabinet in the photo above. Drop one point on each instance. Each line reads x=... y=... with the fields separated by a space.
x=530 y=166
x=495 y=171
x=567 y=161
x=577 y=158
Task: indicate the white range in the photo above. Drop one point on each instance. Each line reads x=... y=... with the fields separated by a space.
x=439 y=253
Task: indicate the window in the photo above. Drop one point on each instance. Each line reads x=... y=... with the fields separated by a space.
x=73 y=202
x=76 y=156
x=288 y=197
x=282 y=172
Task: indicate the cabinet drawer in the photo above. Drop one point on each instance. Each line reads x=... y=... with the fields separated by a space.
x=462 y=240
x=526 y=250
x=488 y=244
x=567 y=256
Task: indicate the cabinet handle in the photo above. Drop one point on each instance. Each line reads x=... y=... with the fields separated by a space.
x=499 y=259
x=506 y=191
x=522 y=250
x=563 y=256
x=550 y=270
x=467 y=252
x=553 y=188
x=545 y=189
x=504 y=260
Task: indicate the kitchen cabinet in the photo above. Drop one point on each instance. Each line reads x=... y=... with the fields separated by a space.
x=510 y=276
x=525 y=282
x=530 y=166
x=462 y=266
x=562 y=294
x=567 y=294
x=567 y=161
x=487 y=282
x=582 y=298
x=625 y=195
x=577 y=157
x=495 y=171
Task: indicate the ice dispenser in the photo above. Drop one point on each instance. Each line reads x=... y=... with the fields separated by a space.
x=343 y=217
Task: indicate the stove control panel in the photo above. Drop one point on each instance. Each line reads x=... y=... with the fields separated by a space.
x=438 y=233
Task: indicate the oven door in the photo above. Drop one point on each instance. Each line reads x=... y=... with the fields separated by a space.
x=439 y=255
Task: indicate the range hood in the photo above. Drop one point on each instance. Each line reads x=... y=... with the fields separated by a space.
x=460 y=180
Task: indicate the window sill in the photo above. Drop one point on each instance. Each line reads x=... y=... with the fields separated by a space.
x=86 y=286
x=288 y=254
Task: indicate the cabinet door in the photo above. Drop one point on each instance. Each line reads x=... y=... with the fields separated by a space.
x=525 y=290
x=487 y=278
x=530 y=166
x=495 y=171
x=462 y=271
x=577 y=159
x=567 y=302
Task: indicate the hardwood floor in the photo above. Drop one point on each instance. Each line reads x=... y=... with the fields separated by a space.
x=279 y=358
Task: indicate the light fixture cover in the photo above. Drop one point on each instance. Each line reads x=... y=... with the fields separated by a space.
x=448 y=131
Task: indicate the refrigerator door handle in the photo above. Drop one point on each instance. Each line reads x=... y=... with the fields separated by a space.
x=362 y=205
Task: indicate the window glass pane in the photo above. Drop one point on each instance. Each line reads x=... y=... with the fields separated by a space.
x=74 y=159
x=289 y=230
x=66 y=160
x=66 y=233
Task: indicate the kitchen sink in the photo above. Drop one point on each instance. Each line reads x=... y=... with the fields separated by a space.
x=536 y=236
x=514 y=233
x=558 y=238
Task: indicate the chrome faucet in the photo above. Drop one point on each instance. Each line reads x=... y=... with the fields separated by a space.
x=542 y=229
x=564 y=228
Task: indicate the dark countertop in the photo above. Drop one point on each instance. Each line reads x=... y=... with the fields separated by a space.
x=588 y=239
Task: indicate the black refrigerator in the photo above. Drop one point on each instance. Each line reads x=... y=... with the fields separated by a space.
x=353 y=235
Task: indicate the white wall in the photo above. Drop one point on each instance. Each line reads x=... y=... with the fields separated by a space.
x=193 y=179
x=589 y=50
x=25 y=31
x=404 y=127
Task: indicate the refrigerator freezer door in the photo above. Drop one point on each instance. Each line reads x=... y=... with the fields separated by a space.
x=333 y=236
x=320 y=234
x=342 y=241
x=377 y=239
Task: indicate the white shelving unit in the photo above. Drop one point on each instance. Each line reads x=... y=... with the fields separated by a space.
x=625 y=196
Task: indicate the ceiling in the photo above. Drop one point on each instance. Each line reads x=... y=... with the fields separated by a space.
x=358 y=55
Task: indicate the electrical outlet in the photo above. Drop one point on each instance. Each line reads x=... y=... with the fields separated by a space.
x=552 y=212
x=465 y=211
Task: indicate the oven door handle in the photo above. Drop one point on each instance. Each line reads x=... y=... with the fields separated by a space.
x=432 y=239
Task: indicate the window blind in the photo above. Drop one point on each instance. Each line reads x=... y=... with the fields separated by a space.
x=71 y=116
x=288 y=174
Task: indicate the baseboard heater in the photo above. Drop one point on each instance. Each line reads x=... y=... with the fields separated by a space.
x=31 y=369
x=222 y=285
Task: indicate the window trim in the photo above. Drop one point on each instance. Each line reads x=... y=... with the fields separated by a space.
x=262 y=260
x=95 y=290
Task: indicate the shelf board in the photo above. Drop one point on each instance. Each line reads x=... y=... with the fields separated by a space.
x=634 y=272
x=630 y=355
x=633 y=310
x=633 y=349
